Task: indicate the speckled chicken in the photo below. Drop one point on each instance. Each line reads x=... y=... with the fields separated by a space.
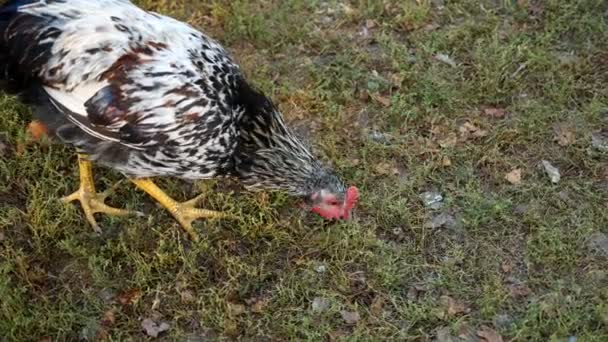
x=151 y=96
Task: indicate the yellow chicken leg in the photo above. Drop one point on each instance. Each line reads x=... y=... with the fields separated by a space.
x=184 y=212
x=91 y=201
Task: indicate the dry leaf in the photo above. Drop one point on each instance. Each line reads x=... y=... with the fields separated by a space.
x=156 y=302
x=438 y=130
x=377 y=306
x=258 y=305
x=489 y=335
x=506 y=266
x=20 y=149
x=468 y=127
x=347 y=9
x=469 y=130
x=336 y=335
x=187 y=296
x=102 y=334
x=108 y=319
x=446 y=161
x=386 y=169
x=396 y=79
x=350 y=317
x=37 y=130
x=130 y=296
x=519 y=290
x=385 y=101
x=236 y=309
x=496 y=113
x=453 y=306
x=152 y=329
x=514 y=177
x=564 y=135
x=449 y=141
x=480 y=133
x=465 y=332
x=364 y=96
x=430 y=27
x=263 y=198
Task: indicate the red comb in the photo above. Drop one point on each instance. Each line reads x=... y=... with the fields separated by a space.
x=352 y=195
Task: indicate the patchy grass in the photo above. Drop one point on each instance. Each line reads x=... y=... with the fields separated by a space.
x=364 y=81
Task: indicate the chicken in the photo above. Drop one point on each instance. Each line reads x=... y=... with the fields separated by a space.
x=150 y=96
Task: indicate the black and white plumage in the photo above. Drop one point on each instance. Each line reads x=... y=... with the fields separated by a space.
x=151 y=96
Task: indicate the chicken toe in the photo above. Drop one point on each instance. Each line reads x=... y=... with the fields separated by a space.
x=185 y=212
x=91 y=201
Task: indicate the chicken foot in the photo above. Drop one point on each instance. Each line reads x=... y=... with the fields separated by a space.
x=184 y=212
x=91 y=201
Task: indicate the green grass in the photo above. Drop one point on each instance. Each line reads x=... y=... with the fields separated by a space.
x=517 y=257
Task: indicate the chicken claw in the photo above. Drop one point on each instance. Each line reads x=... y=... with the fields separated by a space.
x=91 y=201
x=185 y=212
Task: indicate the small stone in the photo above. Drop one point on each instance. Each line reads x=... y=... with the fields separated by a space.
x=441 y=220
x=379 y=137
x=89 y=330
x=566 y=58
x=432 y=199
x=320 y=304
x=107 y=295
x=321 y=269
x=152 y=329
x=598 y=242
x=552 y=172
x=443 y=334
x=599 y=141
x=503 y=321
x=364 y=32
x=521 y=209
x=350 y=317
x=412 y=293
x=443 y=58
